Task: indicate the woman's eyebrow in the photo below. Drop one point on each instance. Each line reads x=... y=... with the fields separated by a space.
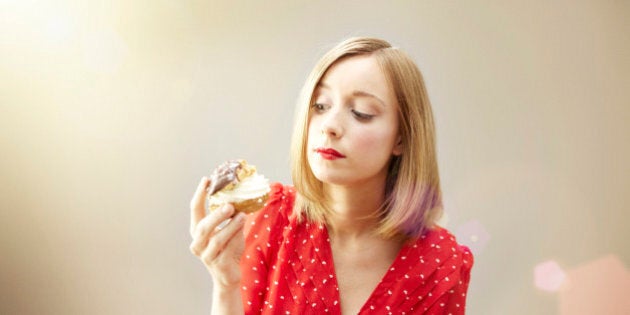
x=356 y=93
x=366 y=94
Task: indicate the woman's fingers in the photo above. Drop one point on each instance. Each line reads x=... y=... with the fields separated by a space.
x=197 y=204
x=217 y=240
x=236 y=246
x=205 y=229
x=222 y=239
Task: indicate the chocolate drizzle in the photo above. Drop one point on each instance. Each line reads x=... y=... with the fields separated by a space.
x=224 y=175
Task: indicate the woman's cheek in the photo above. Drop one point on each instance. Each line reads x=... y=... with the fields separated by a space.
x=371 y=140
x=313 y=125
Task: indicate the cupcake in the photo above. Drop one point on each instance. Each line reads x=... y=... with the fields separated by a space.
x=238 y=183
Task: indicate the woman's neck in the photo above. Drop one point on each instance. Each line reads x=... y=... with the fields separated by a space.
x=355 y=209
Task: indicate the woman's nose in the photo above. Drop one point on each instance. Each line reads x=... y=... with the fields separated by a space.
x=332 y=125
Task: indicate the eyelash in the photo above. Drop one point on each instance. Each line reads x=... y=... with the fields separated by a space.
x=361 y=116
x=358 y=115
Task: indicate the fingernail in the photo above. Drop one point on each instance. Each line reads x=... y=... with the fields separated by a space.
x=226 y=209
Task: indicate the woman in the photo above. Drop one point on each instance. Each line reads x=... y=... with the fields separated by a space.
x=357 y=233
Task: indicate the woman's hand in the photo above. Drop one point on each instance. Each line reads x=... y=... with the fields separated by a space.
x=218 y=245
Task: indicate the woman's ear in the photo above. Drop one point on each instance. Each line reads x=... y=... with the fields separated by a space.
x=398 y=146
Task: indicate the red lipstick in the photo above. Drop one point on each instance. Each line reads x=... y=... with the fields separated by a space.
x=329 y=153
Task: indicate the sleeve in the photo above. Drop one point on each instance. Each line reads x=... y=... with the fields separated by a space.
x=453 y=302
x=262 y=230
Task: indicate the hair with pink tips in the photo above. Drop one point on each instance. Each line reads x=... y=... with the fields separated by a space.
x=413 y=200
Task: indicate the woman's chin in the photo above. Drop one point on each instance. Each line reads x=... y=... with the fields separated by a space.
x=335 y=179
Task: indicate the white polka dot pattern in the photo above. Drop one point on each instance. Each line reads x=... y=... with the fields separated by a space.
x=287 y=268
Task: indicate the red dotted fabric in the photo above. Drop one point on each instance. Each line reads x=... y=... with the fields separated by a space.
x=288 y=268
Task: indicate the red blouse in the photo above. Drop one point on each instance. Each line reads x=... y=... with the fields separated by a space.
x=288 y=268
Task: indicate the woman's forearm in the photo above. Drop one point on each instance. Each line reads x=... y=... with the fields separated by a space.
x=226 y=300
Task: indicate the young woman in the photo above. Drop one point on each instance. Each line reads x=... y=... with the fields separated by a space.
x=357 y=233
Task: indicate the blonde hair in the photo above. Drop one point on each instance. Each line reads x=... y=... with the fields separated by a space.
x=413 y=200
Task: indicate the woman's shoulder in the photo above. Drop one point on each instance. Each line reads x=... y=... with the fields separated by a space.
x=276 y=211
x=440 y=244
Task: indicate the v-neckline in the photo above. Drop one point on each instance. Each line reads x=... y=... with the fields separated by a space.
x=390 y=272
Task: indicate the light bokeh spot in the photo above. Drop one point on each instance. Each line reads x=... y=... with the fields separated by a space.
x=601 y=286
x=549 y=276
x=474 y=235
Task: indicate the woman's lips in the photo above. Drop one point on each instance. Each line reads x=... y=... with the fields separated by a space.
x=329 y=153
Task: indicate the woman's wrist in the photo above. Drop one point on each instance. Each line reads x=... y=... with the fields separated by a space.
x=223 y=289
x=226 y=299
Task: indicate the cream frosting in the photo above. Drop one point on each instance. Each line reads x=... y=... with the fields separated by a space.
x=251 y=187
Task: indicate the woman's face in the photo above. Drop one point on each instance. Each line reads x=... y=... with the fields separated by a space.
x=353 y=129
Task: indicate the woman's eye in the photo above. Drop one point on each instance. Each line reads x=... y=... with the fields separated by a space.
x=361 y=116
x=318 y=107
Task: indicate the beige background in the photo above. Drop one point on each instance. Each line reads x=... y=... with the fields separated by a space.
x=111 y=112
